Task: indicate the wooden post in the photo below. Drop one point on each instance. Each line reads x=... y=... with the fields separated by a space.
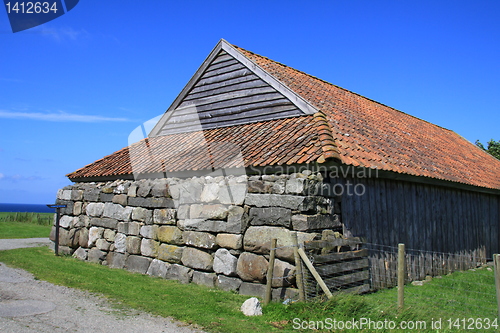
x=298 y=267
x=270 y=273
x=315 y=273
x=401 y=275
x=324 y=236
x=496 y=263
x=56 y=245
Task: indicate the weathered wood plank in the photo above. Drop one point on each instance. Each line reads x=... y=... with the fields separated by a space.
x=338 y=281
x=361 y=289
x=226 y=88
x=331 y=242
x=231 y=113
x=224 y=77
x=277 y=101
x=340 y=256
x=221 y=64
x=222 y=70
x=243 y=113
x=216 y=101
x=237 y=119
x=223 y=56
x=229 y=82
x=343 y=266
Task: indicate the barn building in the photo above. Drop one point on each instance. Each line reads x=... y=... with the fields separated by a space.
x=252 y=149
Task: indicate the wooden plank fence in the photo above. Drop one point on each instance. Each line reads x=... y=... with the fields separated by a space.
x=349 y=265
x=342 y=264
x=419 y=264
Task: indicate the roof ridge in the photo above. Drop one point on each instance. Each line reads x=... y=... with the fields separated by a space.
x=339 y=87
x=328 y=145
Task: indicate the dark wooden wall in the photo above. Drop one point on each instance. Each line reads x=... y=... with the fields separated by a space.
x=228 y=93
x=424 y=217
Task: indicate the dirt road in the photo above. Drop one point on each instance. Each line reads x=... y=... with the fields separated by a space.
x=33 y=306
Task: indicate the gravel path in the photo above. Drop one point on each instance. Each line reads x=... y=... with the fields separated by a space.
x=33 y=306
x=9 y=244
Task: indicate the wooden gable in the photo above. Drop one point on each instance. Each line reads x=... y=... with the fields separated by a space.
x=227 y=90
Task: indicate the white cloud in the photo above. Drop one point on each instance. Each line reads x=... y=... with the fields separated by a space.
x=60 y=116
x=63 y=33
x=1 y=175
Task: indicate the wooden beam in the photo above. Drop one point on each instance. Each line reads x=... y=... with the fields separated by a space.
x=332 y=242
x=343 y=266
x=314 y=273
x=339 y=281
x=340 y=256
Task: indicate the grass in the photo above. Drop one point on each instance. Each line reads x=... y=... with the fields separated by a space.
x=453 y=296
x=25 y=225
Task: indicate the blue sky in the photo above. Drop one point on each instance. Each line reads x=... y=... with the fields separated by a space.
x=73 y=89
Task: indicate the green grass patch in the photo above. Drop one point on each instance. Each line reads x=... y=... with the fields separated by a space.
x=25 y=225
x=23 y=230
x=30 y=218
x=468 y=294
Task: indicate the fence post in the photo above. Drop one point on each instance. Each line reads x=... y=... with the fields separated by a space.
x=270 y=273
x=401 y=275
x=496 y=265
x=298 y=267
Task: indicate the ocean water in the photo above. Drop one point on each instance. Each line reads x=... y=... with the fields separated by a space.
x=32 y=208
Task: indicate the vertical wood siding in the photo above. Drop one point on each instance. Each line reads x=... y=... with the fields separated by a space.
x=424 y=217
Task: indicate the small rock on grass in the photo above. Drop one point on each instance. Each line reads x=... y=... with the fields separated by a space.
x=252 y=307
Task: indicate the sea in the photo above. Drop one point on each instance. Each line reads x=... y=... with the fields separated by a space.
x=32 y=208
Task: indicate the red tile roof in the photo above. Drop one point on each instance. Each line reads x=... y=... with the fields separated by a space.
x=349 y=127
x=373 y=135
x=276 y=142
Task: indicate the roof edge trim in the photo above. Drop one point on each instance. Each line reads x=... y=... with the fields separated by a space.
x=296 y=99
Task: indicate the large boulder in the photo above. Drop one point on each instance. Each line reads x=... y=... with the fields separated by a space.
x=137 y=264
x=95 y=209
x=203 y=240
x=170 y=234
x=149 y=247
x=252 y=267
x=94 y=234
x=170 y=253
x=158 y=268
x=117 y=211
x=197 y=259
x=274 y=216
x=258 y=239
x=120 y=243
x=224 y=262
x=164 y=216
x=229 y=241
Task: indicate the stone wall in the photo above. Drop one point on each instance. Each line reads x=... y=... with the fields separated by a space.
x=214 y=231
